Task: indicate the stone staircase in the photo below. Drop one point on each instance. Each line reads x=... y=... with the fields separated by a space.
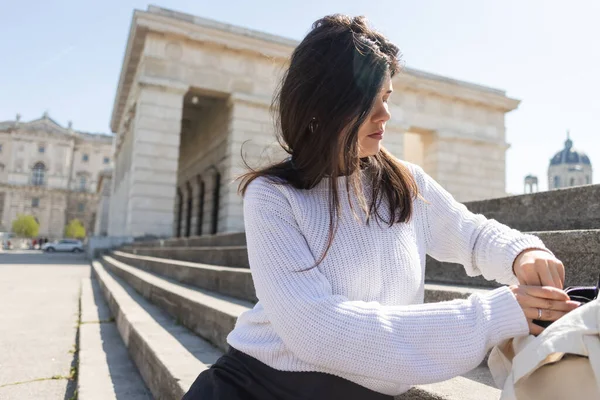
x=174 y=301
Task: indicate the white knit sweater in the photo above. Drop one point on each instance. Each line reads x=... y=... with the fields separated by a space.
x=360 y=314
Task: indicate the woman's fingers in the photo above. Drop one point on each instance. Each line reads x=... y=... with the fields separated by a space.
x=551 y=302
x=546 y=277
x=545 y=292
x=559 y=282
x=547 y=304
x=547 y=315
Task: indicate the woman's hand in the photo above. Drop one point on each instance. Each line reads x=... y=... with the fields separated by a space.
x=539 y=268
x=546 y=302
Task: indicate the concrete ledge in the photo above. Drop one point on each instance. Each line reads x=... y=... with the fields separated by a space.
x=229 y=256
x=105 y=370
x=223 y=239
x=210 y=315
x=563 y=209
x=579 y=251
x=168 y=356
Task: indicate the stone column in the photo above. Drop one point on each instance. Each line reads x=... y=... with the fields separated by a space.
x=155 y=155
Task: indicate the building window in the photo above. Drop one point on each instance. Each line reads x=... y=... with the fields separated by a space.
x=572 y=182
x=80 y=207
x=85 y=158
x=35 y=202
x=0 y=148
x=106 y=160
x=41 y=148
x=556 y=182
x=587 y=179
x=38 y=174
x=82 y=183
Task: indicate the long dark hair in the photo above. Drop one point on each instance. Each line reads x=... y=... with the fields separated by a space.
x=326 y=94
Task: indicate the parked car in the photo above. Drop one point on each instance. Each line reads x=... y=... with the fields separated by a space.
x=75 y=246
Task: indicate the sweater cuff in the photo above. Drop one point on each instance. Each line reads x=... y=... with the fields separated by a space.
x=516 y=247
x=504 y=316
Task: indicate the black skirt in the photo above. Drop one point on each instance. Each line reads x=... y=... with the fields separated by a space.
x=237 y=376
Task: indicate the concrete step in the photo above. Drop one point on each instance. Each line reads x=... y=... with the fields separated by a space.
x=237 y=282
x=579 y=250
x=210 y=315
x=234 y=282
x=563 y=209
x=167 y=355
x=194 y=307
x=222 y=239
x=105 y=371
x=230 y=256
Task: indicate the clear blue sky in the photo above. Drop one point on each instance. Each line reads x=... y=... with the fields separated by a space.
x=65 y=56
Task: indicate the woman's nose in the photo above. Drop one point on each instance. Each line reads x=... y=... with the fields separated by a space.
x=382 y=114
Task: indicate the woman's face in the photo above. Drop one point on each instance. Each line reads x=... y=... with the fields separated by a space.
x=371 y=132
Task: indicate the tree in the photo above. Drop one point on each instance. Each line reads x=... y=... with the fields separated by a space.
x=26 y=226
x=75 y=229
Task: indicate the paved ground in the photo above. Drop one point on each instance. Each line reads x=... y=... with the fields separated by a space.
x=38 y=315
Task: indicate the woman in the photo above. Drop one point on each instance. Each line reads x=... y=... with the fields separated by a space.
x=337 y=236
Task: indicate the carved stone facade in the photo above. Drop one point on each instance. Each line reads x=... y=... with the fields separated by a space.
x=50 y=172
x=193 y=90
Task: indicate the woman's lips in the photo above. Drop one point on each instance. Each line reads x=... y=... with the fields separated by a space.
x=377 y=135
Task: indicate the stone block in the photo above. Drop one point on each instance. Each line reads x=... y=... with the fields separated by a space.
x=159 y=137
x=158 y=124
x=168 y=178
x=578 y=250
x=167 y=151
x=173 y=113
x=232 y=256
x=157 y=96
x=152 y=189
x=563 y=209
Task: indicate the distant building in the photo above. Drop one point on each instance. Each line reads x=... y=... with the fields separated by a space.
x=531 y=184
x=569 y=167
x=50 y=172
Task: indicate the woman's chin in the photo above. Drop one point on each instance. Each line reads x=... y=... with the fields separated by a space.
x=369 y=152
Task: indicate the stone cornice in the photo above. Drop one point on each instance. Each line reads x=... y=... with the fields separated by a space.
x=253 y=100
x=431 y=84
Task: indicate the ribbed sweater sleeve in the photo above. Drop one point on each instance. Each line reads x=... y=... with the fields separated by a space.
x=412 y=344
x=455 y=234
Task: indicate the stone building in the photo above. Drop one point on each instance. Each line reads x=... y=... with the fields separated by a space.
x=569 y=167
x=192 y=91
x=50 y=172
